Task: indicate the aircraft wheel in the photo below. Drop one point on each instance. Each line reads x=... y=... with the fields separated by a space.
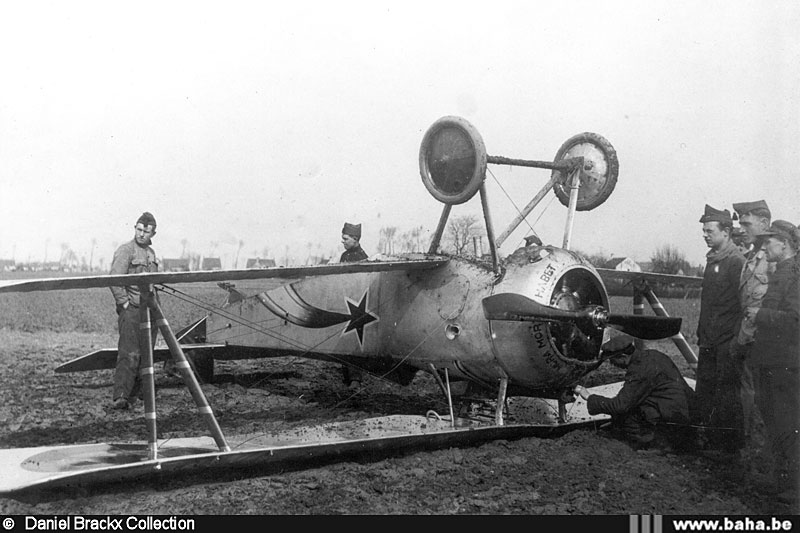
x=452 y=160
x=203 y=364
x=598 y=176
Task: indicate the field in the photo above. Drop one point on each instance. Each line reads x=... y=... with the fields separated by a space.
x=584 y=472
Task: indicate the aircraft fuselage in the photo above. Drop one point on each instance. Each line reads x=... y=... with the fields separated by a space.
x=388 y=320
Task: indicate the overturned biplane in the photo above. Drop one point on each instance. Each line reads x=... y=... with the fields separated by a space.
x=530 y=325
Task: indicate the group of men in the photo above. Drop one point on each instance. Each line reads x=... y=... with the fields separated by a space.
x=746 y=403
x=137 y=256
x=749 y=341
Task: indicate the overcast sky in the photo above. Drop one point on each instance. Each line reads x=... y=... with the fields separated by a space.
x=273 y=123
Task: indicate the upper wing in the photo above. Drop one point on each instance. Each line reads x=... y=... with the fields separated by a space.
x=151 y=278
x=670 y=279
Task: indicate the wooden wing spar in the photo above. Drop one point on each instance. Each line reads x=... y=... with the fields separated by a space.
x=153 y=278
x=652 y=277
x=643 y=291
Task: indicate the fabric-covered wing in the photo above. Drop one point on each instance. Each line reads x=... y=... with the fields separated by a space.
x=152 y=278
x=669 y=279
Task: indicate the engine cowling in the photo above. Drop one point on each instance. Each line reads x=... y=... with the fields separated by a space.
x=548 y=355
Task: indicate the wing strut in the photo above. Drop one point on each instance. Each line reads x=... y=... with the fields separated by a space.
x=642 y=288
x=574 y=180
x=150 y=305
x=445 y=386
x=146 y=369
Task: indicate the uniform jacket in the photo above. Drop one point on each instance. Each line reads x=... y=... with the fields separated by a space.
x=752 y=287
x=720 y=312
x=654 y=386
x=777 y=339
x=353 y=254
x=130 y=258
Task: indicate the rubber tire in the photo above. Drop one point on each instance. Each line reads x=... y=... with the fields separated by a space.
x=612 y=171
x=474 y=180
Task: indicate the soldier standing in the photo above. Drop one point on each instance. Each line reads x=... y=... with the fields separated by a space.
x=719 y=405
x=775 y=362
x=133 y=257
x=754 y=219
x=351 y=240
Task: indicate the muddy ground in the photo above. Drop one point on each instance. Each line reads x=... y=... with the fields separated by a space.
x=583 y=472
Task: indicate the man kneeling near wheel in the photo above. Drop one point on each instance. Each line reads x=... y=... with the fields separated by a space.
x=654 y=404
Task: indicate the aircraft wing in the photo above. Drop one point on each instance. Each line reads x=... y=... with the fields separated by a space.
x=152 y=278
x=670 y=279
x=106 y=358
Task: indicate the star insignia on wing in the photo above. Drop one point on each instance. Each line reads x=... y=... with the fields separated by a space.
x=359 y=317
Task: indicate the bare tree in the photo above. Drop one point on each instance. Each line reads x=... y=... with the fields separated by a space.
x=416 y=233
x=406 y=242
x=91 y=253
x=62 y=260
x=597 y=259
x=184 y=243
x=460 y=230
x=195 y=261
x=69 y=259
x=309 y=256
x=239 y=249
x=386 y=242
x=669 y=260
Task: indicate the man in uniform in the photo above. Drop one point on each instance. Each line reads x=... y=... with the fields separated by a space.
x=654 y=400
x=718 y=372
x=351 y=240
x=754 y=219
x=133 y=257
x=775 y=361
x=739 y=237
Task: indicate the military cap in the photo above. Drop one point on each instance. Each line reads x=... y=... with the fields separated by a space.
x=622 y=343
x=743 y=208
x=147 y=219
x=715 y=215
x=354 y=230
x=784 y=230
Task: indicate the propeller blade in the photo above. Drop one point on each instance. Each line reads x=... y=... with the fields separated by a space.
x=511 y=306
x=646 y=327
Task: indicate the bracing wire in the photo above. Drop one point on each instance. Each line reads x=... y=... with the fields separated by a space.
x=519 y=211
x=183 y=296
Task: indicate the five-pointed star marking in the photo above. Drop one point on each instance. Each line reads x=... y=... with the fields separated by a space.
x=359 y=317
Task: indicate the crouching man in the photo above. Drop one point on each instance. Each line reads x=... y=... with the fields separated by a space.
x=654 y=403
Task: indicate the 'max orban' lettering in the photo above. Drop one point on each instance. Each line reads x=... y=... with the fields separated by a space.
x=539 y=336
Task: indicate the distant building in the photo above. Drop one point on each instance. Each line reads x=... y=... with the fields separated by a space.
x=211 y=263
x=316 y=260
x=257 y=262
x=7 y=265
x=623 y=263
x=176 y=265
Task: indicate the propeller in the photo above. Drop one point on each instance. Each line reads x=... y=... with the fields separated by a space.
x=515 y=307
